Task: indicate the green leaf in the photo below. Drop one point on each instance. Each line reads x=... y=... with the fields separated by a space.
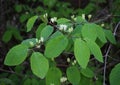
x=55 y=46
x=49 y=3
x=16 y=55
x=87 y=72
x=86 y=81
x=115 y=75
x=44 y=19
x=31 y=22
x=82 y=52
x=56 y=34
x=27 y=82
x=18 y=8
x=95 y=49
x=39 y=29
x=62 y=21
x=79 y=19
x=89 y=8
x=73 y=75
x=6 y=81
x=7 y=36
x=110 y=36
x=53 y=76
x=100 y=33
x=30 y=42
x=39 y=64
x=89 y=31
x=16 y=34
x=77 y=31
x=35 y=81
x=24 y=17
x=46 y=32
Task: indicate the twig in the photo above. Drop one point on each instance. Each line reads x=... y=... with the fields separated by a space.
x=103 y=19
x=106 y=55
x=12 y=72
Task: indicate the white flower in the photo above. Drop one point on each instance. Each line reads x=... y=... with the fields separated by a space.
x=83 y=16
x=102 y=25
x=41 y=40
x=26 y=12
x=74 y=19
x=73 y=16
x=70 y=29
x=89 y=16
x=63 y=79
x=53 y=19
x=63 y=27
x=38 y=46
x=45 y=15
x=68 y=60
x=74 y=61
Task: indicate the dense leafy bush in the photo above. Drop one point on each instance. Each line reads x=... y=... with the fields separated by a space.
x=75 y=39
x=48 y=46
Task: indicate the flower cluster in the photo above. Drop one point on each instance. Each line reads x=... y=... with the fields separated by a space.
x=53 y=19
x=65 y=28
x=63 y=79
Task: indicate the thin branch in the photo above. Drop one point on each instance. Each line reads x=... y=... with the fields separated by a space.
x=103 y=19
x=12 y=72
x=115 y=30
x=106 y=55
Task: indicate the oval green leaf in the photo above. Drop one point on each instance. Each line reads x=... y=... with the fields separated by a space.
x=30 y=42
x=55 y=46
x=73 y=75
x=95 y=49
x=39 y=29
x=39 y=64
x=89 y=31
x=46 y=32
x=87 y=72
x=82 y=52
x=53 y=76
x=100 y=33
x=110 y=36
x=16 y=55
x=31 y=22
x=62 y=21
x=7 y=36
x=115 y=75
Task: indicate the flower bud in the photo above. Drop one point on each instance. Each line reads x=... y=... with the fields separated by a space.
x=83 y=16
x=63 y=27
x=63 y=79
x=75 y=61
x=73 y=16
x=68 y=60
x=102 y=25
x=53 y=19
x=89 y=16
x=45 y=15
x=70 y=29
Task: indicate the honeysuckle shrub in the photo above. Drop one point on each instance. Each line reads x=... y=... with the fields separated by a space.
x=70 y=43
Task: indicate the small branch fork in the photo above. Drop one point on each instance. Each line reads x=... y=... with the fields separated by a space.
x=106 y=55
